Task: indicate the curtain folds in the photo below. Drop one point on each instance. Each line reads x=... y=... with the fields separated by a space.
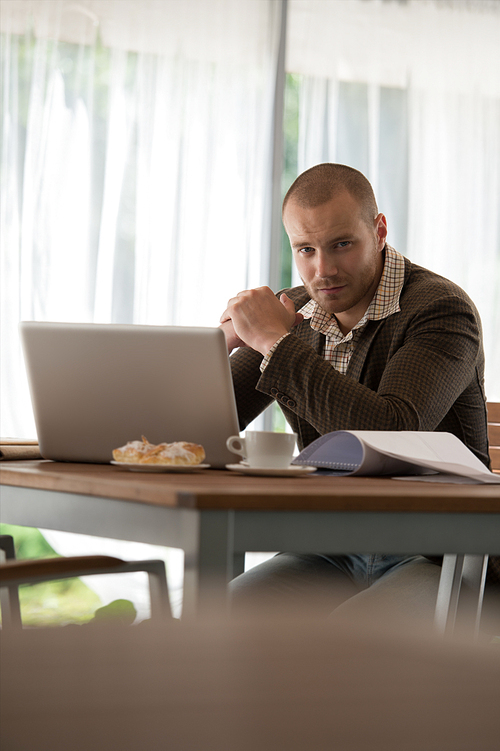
x=136 y=164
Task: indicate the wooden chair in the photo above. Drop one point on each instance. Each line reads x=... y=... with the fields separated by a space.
x=14 y=572
x=494 y=434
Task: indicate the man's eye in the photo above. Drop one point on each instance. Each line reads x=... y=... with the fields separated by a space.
x=306 y=250
x=343 y=244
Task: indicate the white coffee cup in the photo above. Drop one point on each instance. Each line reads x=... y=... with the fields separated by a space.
x=264 y=449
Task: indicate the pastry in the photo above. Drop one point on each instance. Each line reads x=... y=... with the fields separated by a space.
x=143 y=452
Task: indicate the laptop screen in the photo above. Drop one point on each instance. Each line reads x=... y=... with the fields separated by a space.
x=94 y=387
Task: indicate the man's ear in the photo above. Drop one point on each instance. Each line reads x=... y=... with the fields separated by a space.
x=381 y=230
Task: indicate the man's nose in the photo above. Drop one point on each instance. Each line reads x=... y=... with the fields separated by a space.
x=325 y=265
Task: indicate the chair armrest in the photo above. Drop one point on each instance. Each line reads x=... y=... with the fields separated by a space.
x=16 y=571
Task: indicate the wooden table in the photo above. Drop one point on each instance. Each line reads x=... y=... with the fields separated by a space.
x=216 y=516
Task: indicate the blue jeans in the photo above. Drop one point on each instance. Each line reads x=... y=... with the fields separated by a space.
x=385 y=585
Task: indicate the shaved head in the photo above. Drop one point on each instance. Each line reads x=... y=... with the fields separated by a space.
x=321 y=183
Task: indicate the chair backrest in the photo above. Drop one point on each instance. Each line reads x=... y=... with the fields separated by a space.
x=494 y=434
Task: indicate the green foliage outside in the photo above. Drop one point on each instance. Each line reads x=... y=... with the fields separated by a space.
x=290 y=168
x=290 y=172
x=49 y=603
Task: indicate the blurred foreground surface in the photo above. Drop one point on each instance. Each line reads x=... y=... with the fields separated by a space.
x=243 y=685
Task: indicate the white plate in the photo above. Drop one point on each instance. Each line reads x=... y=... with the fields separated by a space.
x=160 y=467
x=291 y=471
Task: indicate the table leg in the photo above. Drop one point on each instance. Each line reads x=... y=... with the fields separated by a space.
x=474 y=577
x=209 y=563
x=456 y=571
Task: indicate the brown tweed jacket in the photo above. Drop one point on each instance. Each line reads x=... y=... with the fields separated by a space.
x=419 y=369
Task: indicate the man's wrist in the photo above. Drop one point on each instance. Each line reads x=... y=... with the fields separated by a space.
x=267 y=357
x=263 y=343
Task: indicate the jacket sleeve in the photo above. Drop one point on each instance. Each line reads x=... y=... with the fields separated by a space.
x=245 y=370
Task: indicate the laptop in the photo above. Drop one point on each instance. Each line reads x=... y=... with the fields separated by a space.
x=94 y=387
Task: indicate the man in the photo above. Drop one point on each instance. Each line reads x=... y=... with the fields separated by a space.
x=369 y=342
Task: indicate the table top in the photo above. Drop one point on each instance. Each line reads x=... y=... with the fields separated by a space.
x=222 y=489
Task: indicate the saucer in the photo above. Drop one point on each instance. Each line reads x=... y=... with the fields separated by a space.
x=291 y=471
x=160 y=467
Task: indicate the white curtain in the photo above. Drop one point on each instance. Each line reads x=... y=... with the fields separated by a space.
x=136 y=164
x=409 y=93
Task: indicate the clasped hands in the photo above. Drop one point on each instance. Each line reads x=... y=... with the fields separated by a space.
x=256 y=318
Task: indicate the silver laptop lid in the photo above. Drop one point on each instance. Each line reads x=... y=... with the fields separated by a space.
x=94 y=387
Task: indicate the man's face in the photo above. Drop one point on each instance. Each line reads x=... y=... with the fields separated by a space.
x=338 y=255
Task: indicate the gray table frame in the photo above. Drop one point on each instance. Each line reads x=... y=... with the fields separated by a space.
x=215 y=541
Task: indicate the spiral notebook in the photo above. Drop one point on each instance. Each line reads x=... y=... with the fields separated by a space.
x=433 y=456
